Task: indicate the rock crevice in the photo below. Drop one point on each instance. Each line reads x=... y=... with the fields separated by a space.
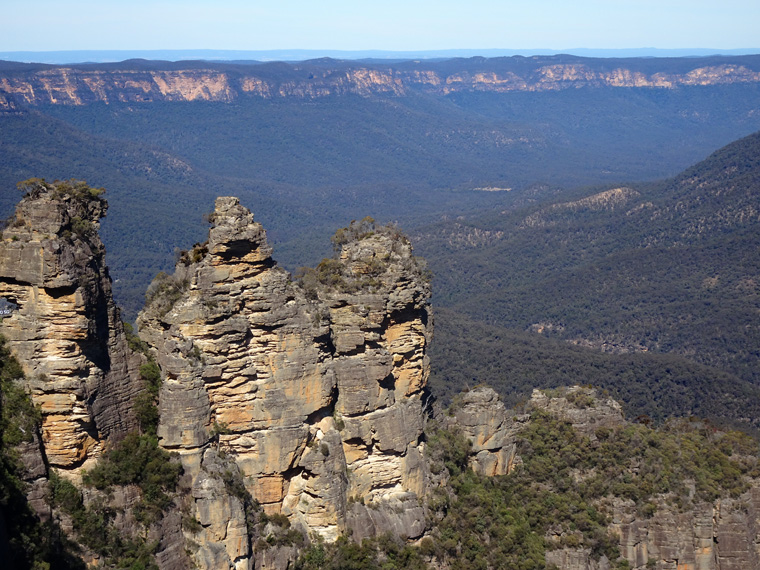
x=65 y=328
x=313 y=388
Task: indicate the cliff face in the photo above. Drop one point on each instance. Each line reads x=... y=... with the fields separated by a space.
x=61 y=321
x=62 y=85
x=308 y=396
x=316 y=392
x=717 y=535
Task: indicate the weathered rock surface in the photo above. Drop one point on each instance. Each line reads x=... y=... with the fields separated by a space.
x=719 y=536
x=711 y=536
x=66 y=85
x=63 y=325
x=494 y=431
x=585 y=408
x=484 y=420
x=309 y=397
x=708 y=536
x=315 y=392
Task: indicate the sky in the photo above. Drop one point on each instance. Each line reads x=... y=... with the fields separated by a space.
x=397 y=25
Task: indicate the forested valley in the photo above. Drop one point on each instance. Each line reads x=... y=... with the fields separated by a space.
x=590 y=236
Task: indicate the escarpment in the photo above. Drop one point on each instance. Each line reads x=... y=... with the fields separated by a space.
x=681 y=496
x=225 y=83
x=298 y=410
x=315 y=390
x=61 y=322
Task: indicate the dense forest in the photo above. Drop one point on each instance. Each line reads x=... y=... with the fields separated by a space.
x=649 y=282
x=636 y=273
x=308 y=165
x=560 y=255
x=511 y=520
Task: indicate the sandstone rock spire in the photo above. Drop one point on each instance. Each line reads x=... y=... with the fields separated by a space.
x=63 y=325
x=315 y=390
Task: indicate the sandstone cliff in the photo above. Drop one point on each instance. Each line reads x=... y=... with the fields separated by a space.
x=62 y=323
x=308 y=396
x=706 y=535
x=316 y=392
x=190 y=81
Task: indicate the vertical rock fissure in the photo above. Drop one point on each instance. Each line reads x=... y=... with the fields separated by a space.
x=66 y=329
x=314 y=389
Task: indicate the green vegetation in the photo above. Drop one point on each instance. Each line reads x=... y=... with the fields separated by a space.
x=137 y=460
x=281 y=532
x=76 y=189
x=382 y=553
x=674 y=271
x=146 y=403
x=306 y=166
x=333 y=274
x=504 y=522
x=25 y=543
x=86 y=203
x=467 y=352
x=135 y=343
x=336 y=274
x=233 y=482
x=558 y=496
x=163 y=292
x=197 y=253
x=671 y=269
x=356 y=231
x=20 y=420
x=93 y=528
x=637 y=462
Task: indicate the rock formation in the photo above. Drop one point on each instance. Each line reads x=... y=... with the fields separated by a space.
x=484 y=420
x=719 y=535
x=188 y=81
x=316 y=392
x=61 y=321
x=711 y=536
x=308 y=396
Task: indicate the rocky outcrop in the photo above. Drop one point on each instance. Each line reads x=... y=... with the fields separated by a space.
x=717 y=535
x=61 y=322
x=711 y=536
x=584 y=408
x=316 y=391
x=484 y=420
x=494 y=431
x=82 y=85
x=305 y=398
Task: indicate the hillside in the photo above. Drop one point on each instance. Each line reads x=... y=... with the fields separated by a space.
x=264 y=421
x=629 y=272
x=309 y=145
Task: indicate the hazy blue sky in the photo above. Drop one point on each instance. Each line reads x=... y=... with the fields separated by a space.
x=41 y=25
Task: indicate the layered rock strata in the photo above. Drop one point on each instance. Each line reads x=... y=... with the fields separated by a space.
x=66 y=85
x=484 y=420
x=719 y=535
x=494 y=431
x=61 y=322
x=711 y=536
x=315 y=391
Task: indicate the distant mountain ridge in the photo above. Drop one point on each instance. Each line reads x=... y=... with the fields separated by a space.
x=310 y=145
x=78 y=56
x=143 y=81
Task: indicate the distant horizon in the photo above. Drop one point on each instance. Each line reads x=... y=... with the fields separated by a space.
x=64 y=57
